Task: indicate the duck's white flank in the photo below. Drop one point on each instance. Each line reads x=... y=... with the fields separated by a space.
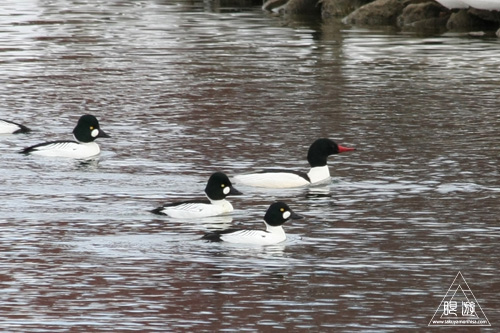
x=7 y=127
x=272 y=235
x=271 y=180
x=68 y=149
x=283 y=179
x=198 y=209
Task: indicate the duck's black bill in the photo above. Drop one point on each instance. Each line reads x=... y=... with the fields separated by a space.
x=103 y=134
x=234 y=191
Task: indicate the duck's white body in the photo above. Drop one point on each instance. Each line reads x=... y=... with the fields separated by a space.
x=218 y=188
x=272 y=235
x=277 y=214
x=285 y=179
x=9 y=127
x=197 y=209
x=85 y=132
x=319 y=173
x=71 y=149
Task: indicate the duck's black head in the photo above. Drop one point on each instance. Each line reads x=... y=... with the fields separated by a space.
x=87 y=129
x=322 y=148
x=278 y=213
x=219 y=187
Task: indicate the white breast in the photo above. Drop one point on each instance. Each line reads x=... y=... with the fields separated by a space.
x=319 y=175
x=68 y=149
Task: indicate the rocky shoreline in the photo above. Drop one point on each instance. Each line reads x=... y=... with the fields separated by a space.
x=407 y=15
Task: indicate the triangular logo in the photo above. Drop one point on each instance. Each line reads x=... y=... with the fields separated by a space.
x=459 y=307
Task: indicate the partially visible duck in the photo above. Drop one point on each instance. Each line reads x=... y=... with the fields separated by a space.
x=277 y=214
x=218 y=188
x=10 y=127
x=85 y=132
x=279 y=178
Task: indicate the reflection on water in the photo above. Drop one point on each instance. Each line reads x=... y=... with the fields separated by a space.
x=189 y=87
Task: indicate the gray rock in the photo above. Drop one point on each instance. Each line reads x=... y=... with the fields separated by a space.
x=377 y=13
x=463 y=20
x=487 y=15
x=303 y=7
x=424 y=16
x=340 y=8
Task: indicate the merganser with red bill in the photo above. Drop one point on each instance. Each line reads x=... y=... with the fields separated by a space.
x=318 y=174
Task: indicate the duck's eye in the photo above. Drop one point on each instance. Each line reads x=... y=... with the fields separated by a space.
x=91 y=128
x=222 y=185
x=282 y=210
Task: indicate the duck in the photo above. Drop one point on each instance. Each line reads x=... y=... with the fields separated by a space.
x=218 y=188
x=10 y=127
x=279 y=178
x=85 y=132
x=276 y=215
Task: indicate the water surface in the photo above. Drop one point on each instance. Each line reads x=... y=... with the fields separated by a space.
x=188 y=88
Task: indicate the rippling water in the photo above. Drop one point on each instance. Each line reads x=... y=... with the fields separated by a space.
x=187 y=88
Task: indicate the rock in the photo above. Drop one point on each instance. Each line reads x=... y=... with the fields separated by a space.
x=340 y=8
x=423 y=16
x=463 y=20
x=414 y=15
x=303 y=7
x=377 y=13
x=487 y=15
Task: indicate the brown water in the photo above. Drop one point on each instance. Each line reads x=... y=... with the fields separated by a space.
x=187 y=88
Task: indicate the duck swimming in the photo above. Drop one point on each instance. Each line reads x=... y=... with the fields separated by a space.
x=85 y=132
x=279 y=178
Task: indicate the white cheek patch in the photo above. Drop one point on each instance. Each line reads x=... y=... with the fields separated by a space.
x=286 y=215
x=226 y=190
x=94 y=133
